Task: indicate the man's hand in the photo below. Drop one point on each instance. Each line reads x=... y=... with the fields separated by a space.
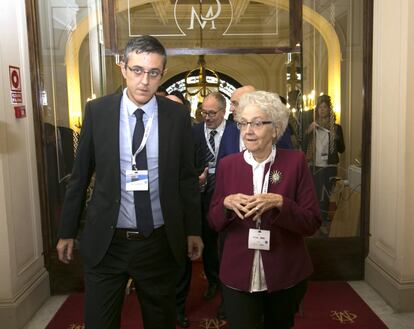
x=65 y=250
x=202 y=179
x=195 y=247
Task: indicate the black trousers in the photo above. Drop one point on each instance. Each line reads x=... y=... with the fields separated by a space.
x=210 y=240
x=211 y=255
x=263 y=310
x=183 y=285
x=151 y=265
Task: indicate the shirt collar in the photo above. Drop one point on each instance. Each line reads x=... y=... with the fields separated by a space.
x=219 y=129
x=248 y=157
x=131 y=107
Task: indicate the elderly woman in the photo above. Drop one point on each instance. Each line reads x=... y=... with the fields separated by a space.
x=265 y=201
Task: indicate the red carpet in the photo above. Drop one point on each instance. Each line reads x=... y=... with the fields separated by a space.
x=327 y=305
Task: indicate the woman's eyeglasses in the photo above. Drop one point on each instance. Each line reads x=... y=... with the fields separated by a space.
x=256 y=124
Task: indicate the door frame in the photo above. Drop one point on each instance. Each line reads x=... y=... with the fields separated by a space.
x=334 y=258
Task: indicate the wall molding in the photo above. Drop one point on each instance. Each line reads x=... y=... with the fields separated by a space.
x=399 y=295
x=15 y=314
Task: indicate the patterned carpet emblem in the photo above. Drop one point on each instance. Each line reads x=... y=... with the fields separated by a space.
x=344 y=316
x=212 y=324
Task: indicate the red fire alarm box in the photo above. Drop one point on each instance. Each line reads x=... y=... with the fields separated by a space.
x=20 y=112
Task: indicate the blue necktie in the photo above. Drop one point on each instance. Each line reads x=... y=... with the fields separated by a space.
x=142 y=200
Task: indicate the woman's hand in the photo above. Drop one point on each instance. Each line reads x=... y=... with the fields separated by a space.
x=261 y=203
x=237 y=203
x=311 y=127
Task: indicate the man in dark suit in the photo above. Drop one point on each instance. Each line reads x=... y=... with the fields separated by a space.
x=214 y=138
x=235 y=99
x=142 y=219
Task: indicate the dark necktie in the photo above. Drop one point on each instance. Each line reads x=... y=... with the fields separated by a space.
x=142 y=200
x=210 y=157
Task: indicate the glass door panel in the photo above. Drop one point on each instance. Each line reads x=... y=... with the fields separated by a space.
x=245 y=42
x=219 y=24
x=332 y=137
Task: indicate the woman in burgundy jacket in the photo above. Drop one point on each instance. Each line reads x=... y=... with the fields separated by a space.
x=265 y=202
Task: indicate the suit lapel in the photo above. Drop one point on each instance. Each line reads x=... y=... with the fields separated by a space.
x=112 y=124
x=230 y=142
x=164 y=131
x=203 y=136
x=223 y=142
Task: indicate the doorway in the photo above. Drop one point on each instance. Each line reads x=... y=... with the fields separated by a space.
x=298 y=49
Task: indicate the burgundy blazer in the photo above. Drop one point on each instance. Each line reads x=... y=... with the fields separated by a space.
x=287 y=262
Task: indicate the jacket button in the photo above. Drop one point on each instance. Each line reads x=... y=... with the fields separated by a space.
x=111 y=227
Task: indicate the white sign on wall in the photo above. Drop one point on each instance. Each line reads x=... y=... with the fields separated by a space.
x=15 y=85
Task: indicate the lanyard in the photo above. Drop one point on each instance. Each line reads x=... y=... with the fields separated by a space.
x=265 y=181
x=144 y=138
x=143 y=142
x=220 y=130
x=207 y=135
x=265 y=185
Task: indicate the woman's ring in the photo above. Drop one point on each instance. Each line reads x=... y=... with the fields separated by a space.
x=257 y=209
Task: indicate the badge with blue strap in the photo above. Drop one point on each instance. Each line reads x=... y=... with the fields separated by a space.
x=136 y=180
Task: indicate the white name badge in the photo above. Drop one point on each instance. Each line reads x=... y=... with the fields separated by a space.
x=259 y=239
x=211 y=167
x=136 y=180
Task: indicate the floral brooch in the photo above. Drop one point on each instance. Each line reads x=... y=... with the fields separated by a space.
x=275 y=176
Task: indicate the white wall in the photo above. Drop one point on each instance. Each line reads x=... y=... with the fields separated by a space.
x=24 y=281
x=390 y=263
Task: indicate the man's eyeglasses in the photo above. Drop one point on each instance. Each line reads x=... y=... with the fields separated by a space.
x=139 y=72
x=257 y=124
x=210 y=114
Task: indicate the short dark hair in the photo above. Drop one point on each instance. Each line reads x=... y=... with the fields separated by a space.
x=161 y=91
x=145 y=44
x=179 y=95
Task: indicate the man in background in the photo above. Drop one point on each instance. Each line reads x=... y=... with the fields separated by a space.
x=214 y=138
x=235 y=99
x=185 y=272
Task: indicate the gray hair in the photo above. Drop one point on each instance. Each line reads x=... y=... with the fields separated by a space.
x=271 y=105
x=221 y=100
x=144 y=44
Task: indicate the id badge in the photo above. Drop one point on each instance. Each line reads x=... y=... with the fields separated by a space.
x=136 y=180
x=212 y=167
x=259 y=239
x=324 y=156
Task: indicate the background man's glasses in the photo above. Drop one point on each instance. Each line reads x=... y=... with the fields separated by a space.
x=257 y=124
x=140 y=72
x=210 y=114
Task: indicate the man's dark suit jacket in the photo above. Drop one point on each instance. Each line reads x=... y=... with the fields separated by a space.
x=229 y=144
x=98 y=152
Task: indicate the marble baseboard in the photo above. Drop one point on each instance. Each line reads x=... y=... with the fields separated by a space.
x=16 y=314
x=399 y=296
